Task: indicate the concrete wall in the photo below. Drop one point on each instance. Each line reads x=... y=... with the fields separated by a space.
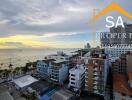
x=129 y=63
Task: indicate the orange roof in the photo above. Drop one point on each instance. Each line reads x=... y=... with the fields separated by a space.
x=130 y=75
x=120 y=84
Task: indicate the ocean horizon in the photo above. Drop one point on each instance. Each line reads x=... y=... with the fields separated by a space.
x=19 y=57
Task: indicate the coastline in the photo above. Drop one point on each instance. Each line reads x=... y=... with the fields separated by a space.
x=19 y=57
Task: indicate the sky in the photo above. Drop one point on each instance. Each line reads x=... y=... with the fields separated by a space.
x=51 y=23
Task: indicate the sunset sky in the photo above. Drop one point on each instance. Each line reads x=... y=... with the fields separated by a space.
x=50 y=23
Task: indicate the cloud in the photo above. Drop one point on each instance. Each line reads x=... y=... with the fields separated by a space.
x=50 y=18
x=42 y=16
x=14 y=44
x=60 y=34
x=22 y=41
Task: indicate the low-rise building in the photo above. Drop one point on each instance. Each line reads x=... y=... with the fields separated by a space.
x=24 y=81
x=77 y=77
x=59 y=71
x=59 y=56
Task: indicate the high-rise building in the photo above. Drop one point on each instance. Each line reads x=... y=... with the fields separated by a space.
x=96 y=75
x=122 y=77
x=87 y=46
x=44 y=67
x=59 y=71
x=117 y=46
x=122 y=65
x=120 y=30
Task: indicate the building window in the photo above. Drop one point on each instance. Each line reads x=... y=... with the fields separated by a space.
x=72 y=75
x=72 y=79
x=72 y=83
x=123 y=94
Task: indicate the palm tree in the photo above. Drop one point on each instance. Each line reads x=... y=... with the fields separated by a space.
x=10 y=66
x=9 y=73
x=17 y=69
x=1 y=73
x=6 y=73
x=24 y=69
x=33 y=96
x=14 y=72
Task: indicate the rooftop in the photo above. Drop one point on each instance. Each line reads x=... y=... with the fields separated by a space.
x=120 y=84
x=60 y=61
x=6 y=96
x=59 y=53
x=62 y=95
x=79 y=69
x=47 y=60
x=39 y=86
x=24 y=81
x=44 y=97
x=98 y=58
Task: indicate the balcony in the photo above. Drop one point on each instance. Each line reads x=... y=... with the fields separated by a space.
x=86 y=81
x=54 y=72
x=86 y=73
x=96 y=78
x=96 y=91
x=86 y=85
x=86 y=68
x=95 y=73
x=95 y=69
x=95 y=88
x=96 y=63
x=53 y=79
x=86 y=77
x=95 y=83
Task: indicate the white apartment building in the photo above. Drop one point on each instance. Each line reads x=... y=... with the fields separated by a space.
x=77 y=77
x=59 y=56
x=116 y=52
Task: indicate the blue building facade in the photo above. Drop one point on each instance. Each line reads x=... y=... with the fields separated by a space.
x=44 y=67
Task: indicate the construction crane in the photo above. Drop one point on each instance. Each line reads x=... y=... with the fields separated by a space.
x=95 y=11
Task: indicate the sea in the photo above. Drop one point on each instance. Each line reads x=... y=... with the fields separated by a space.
x=19 y=57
